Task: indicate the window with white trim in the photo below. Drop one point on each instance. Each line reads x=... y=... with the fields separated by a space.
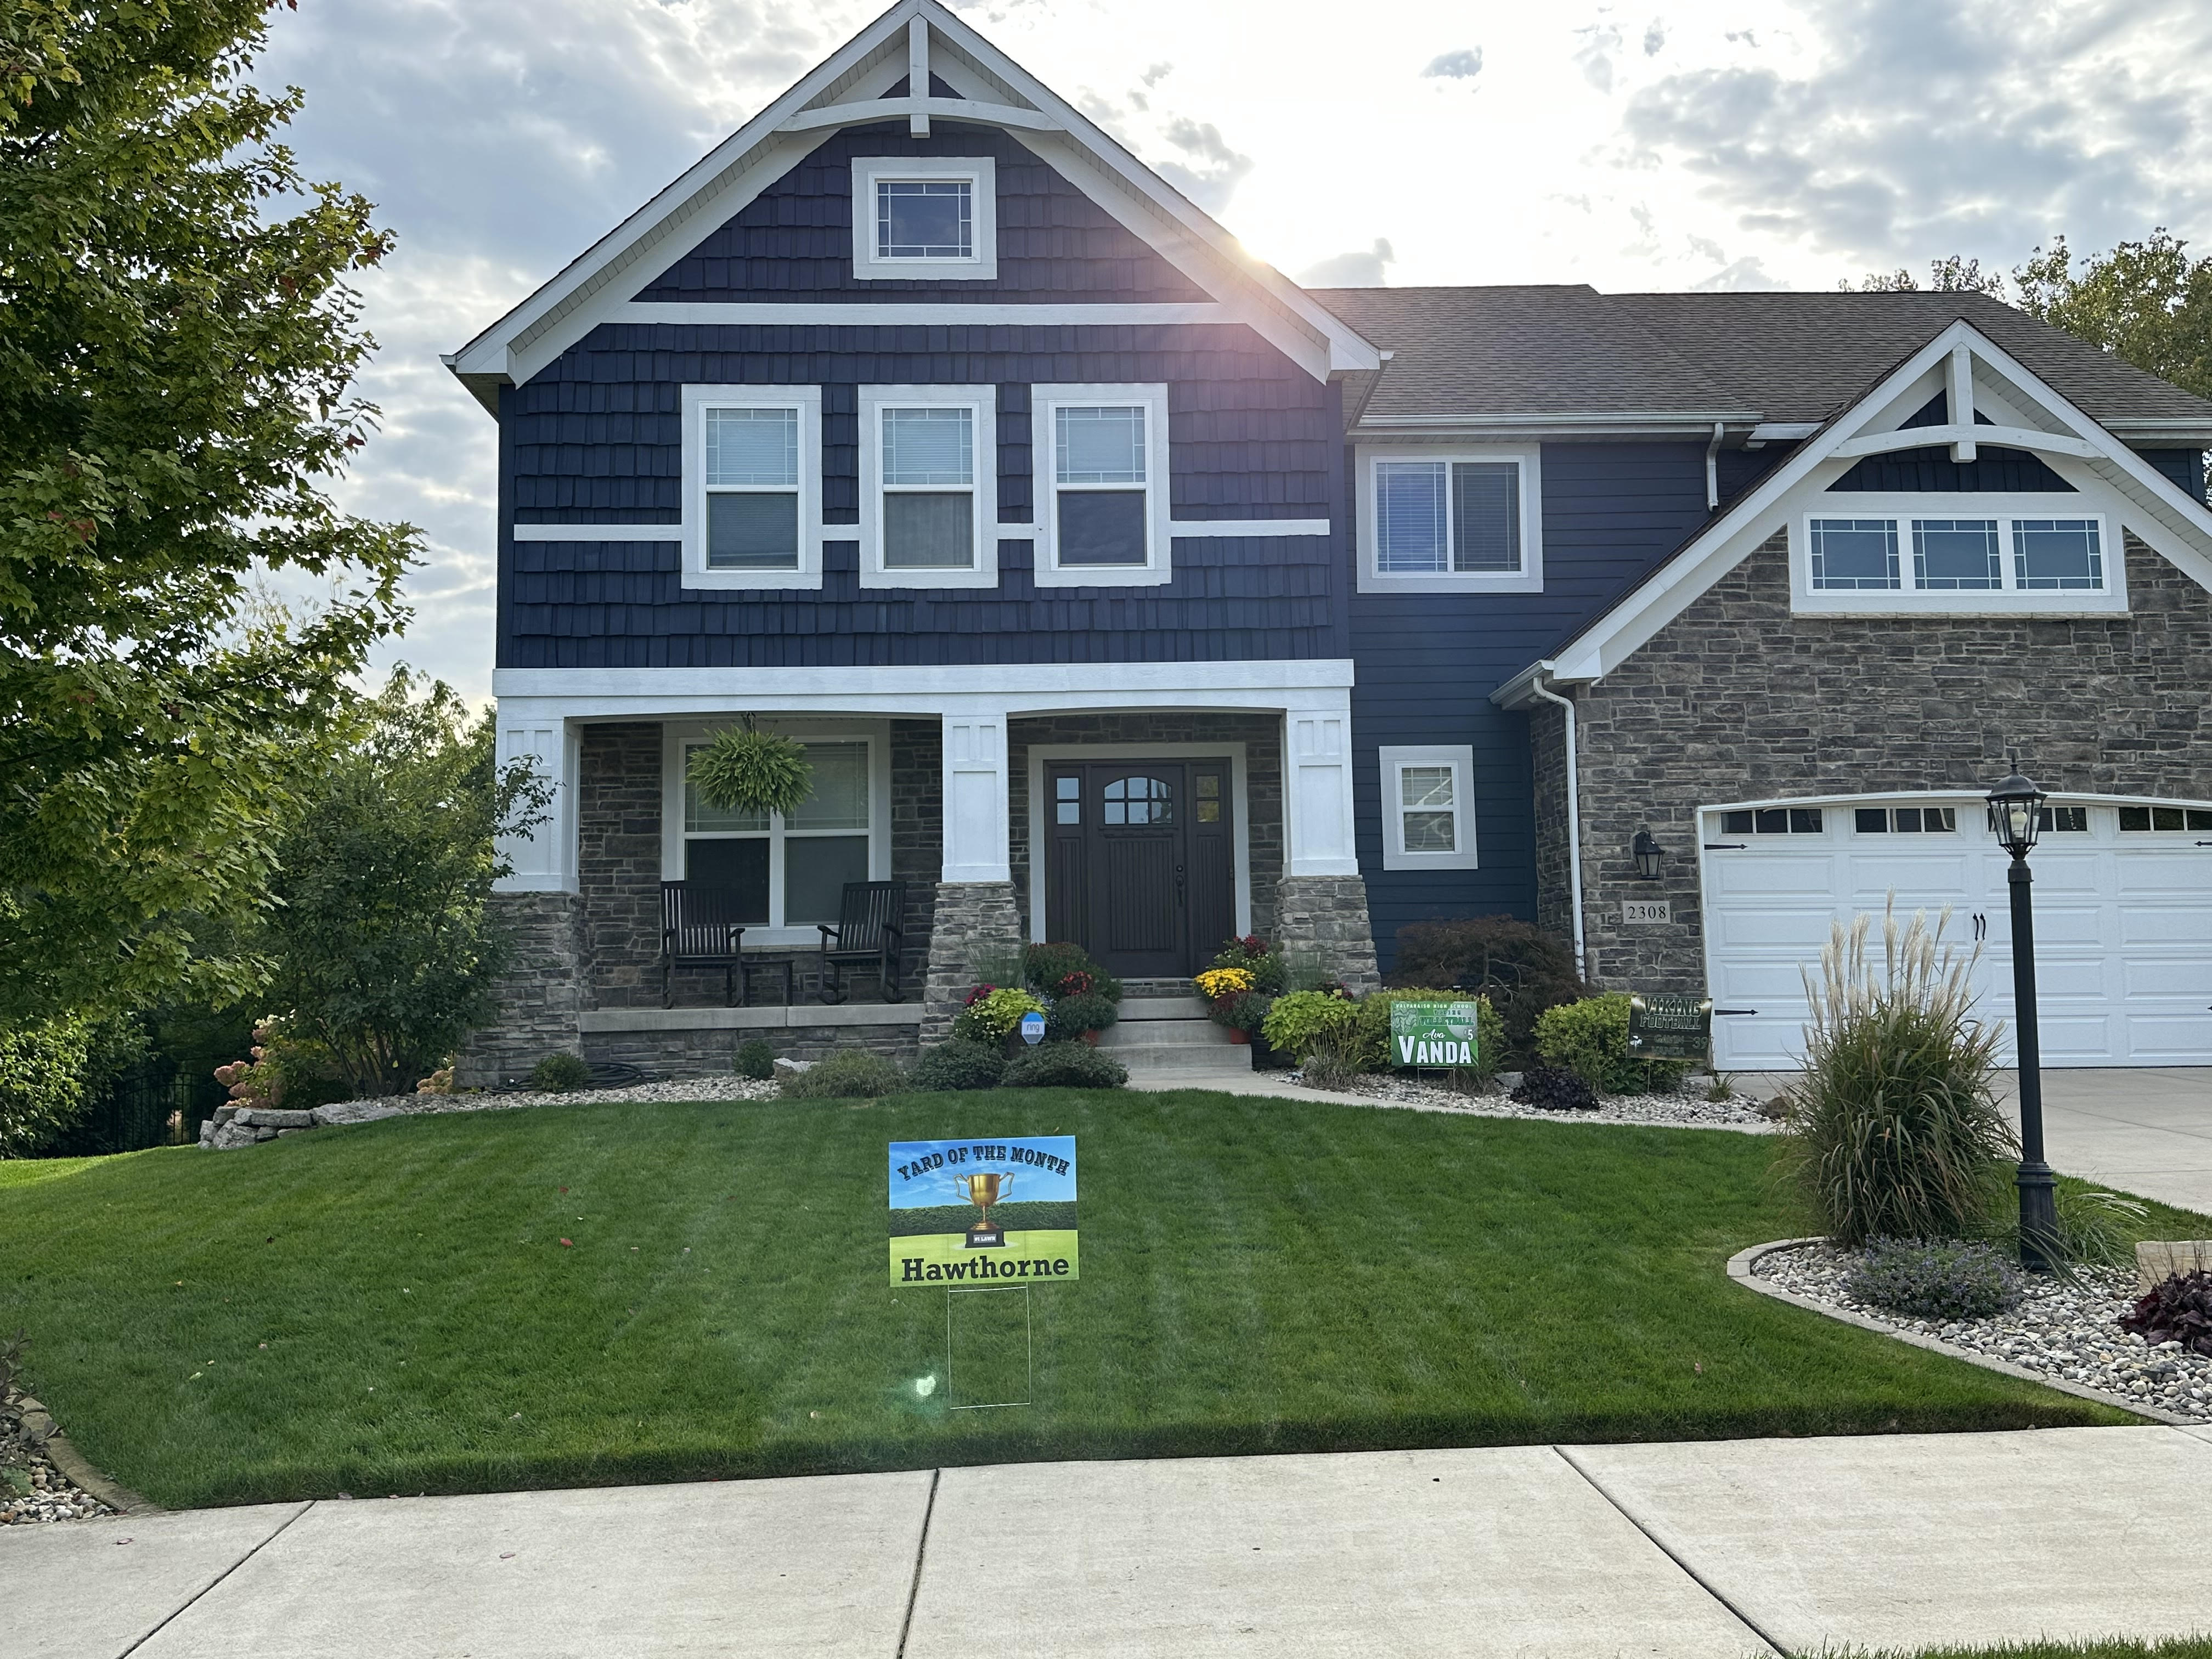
x=788 y=872
x=2148 y=820
x=1441 y=521
x=1958 y=554
x=1101 y=481
x=752 y=475
x=1428 y=807
x=925 y=215
x=928 y=486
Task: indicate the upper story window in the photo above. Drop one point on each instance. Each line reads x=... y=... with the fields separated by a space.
x=752 y=472
x=1947 y=560
x=929 y=489
x=1102 y=485
x=926 y=216
x=1428 y=807
x=1441 y=521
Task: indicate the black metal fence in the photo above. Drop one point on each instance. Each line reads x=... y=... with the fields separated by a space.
x=150 y=1104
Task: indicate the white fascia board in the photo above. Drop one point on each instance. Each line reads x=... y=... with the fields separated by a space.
x=1608 y=421
x=1631 y=623
x=943 y=313
x=885 y=690
x=2162 y=430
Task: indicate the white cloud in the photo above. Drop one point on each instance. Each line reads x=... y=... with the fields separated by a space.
x=1362 y=268
x=1460 y=65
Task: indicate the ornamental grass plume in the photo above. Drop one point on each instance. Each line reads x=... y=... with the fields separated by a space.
x=1895 y=1131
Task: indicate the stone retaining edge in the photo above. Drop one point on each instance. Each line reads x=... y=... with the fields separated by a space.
x=774 y=1018
x=46 y=1434
x=1740 y=1269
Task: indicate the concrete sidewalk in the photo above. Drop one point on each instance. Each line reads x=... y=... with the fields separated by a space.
x=1700 y=1550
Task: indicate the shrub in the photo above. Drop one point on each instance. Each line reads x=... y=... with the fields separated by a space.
x=1050 y=966
x=1270 y=973
x=559 y=1072
x=848 y=1074
x=960 y=1064
x=1298 y=1021
x=755 y=1060
x=2179 y=1309
x=1371 y=1034
x=1555 y=1089
x=42 y=1092
x=1939 y=1280
x=1589 y=1038
x=1895 y=1132
x=995 y=1014
x=1247 y=1011
x=1522 y=968
x=1072 y=1016
x=1064 y=1065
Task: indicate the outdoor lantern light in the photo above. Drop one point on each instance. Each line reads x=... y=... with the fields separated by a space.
x=2016 y=810
x=1647 y=852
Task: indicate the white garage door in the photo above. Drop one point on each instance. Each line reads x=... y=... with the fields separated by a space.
x=2123 y=919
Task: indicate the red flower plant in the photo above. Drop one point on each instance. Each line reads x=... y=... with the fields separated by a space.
x=978 y=994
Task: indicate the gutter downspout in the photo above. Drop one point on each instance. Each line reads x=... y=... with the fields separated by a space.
x=1713 y=468
x=1537 y=688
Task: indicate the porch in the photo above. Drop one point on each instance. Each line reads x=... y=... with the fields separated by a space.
x=1145 y=814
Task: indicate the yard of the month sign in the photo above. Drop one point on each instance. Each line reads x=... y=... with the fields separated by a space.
x=1664 y=1027
x=1432 y=1034
x=983 y=1211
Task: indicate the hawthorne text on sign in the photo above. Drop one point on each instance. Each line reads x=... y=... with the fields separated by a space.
x=983 y=1211
x=1432 y=1034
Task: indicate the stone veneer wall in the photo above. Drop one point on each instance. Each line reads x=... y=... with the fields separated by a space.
x=618 y=867
x=1260 y=734
x=977 y=922
x=538 y=996
x=1323 y=920
x=710 y=1049
x=917 y=837
x=1739 y=700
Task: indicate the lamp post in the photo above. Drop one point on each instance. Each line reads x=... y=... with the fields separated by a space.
x=2016 y=809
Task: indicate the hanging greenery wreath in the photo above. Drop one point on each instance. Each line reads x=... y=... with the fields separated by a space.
x=744 y=769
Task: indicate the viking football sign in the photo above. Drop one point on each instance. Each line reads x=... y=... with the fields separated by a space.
x=983 y=1211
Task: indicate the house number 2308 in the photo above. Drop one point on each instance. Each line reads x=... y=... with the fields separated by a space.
x=1646 y=910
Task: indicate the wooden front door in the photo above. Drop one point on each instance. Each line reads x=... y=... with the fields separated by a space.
x=1138 y=867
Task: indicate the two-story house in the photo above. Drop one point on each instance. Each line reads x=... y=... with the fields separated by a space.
x=1122 y=591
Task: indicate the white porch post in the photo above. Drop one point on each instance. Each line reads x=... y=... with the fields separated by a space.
x=543 y=861
x=1317 y=794
x=975 y=791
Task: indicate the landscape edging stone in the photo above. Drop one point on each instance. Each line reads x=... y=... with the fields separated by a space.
x=1740 y=1268
x=39 y=1424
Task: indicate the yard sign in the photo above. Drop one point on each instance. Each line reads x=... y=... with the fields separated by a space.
x=1432 y=1034
x=1664 y=1027
x=983 y=1211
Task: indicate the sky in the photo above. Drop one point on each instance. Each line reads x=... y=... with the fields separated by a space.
x=1785 y=143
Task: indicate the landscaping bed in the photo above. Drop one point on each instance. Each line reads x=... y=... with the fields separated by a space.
x=33 y=1488
x=2070 y=1331
x=1684 y=1110
x=490 y=1300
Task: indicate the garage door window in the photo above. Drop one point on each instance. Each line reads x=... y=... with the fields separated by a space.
x=2149 y=819
x=1905 y=820
x=1773 y=821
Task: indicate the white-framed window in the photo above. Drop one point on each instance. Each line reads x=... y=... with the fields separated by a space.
x=1959 y=553
x=2153 y=820
x=1774 y=821
x=926 y=217
x=1908 y=820
x=1448 y=520
x=788 y=872
x=1428 y=807
x=1101 y=465
x=752 y=486
x=929 y=486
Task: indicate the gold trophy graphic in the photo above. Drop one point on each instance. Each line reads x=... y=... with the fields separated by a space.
x=983 y=1191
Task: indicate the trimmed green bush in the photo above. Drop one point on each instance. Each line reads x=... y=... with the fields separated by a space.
x=850 y=1074
x=755 y=1060
x=1302 y=1019
x=557 y=1074
x=1068 y=1019
x=42 y=1084
x=1895 y=1130
x=1522 y=968
x=1590 y=1039
x=1371 y=1032
x=1941 y=1279
x=959 y=1064
x=1064 y=1065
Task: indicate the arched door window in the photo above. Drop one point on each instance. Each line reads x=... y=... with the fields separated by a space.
x=1139 y=800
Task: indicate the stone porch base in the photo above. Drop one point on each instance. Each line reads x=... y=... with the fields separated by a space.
x=690 y=1040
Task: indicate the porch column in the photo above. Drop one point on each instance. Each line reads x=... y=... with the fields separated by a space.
x=1321 y=903
x=975 y=925
x=543 y=859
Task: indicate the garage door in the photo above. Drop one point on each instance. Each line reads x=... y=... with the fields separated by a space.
x=2123 y=919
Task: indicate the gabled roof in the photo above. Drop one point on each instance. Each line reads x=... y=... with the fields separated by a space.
x=2027 y=412
x=1491 y=354
x=915 y=42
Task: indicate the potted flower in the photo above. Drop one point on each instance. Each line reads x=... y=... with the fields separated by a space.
x=1079 y=1016
x=1224 y=989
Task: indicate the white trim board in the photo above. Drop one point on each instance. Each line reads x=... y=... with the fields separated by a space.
x=1240 y=842
x=843 y=89
x=982 y=313
x=1021 y=683
x=2143 y=499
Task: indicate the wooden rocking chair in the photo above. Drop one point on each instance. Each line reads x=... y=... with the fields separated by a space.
x=868 y=936
x=699 y=928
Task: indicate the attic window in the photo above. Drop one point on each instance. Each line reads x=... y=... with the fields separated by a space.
x=932 y=217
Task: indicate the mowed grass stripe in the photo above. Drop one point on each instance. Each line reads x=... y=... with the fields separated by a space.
x=1258 y=1274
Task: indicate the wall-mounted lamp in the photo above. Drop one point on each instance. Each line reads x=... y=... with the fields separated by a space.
x=1647 y=852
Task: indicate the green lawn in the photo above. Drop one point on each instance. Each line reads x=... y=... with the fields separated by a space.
x=391 y=1308
x=2184 y=1647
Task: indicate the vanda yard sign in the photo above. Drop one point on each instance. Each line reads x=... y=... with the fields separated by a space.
x=983 y=1211
x=1432 y=1034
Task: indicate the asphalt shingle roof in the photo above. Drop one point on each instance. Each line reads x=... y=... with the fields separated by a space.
x=1784 y=357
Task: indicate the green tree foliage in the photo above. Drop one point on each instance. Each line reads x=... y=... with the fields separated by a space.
x=42 y=1082
x=2148 y=301
x=382 y=950
x=177 y=346
x=1953 y=275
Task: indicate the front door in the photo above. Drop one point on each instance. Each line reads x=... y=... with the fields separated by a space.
x=1138 y=867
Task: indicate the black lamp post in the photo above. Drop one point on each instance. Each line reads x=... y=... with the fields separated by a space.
x=1646 y=851
x=2016 y=808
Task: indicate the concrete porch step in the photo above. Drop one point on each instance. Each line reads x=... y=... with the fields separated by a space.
x=1181 y=1032
x=1150 y=1008
x=1149 y=989
x=1147 y=1057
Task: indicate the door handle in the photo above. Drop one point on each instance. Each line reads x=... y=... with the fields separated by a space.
x=1981 y=927
x=1179 y=883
